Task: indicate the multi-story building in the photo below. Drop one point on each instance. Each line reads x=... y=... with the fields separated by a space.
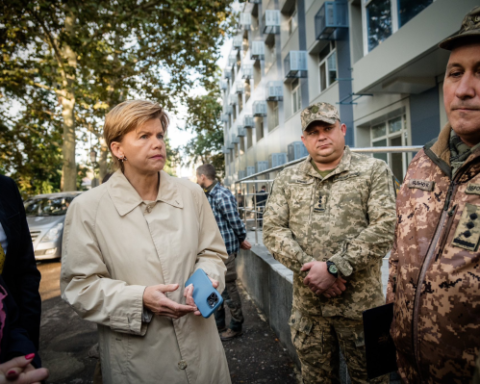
x=377 y=60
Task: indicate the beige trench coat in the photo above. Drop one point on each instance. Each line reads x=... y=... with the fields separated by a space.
x=114 y=246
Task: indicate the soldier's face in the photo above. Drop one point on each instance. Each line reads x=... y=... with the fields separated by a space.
x=325 y=142
x=461 y=92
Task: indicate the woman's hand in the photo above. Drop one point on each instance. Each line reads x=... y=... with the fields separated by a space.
x=189 y=292
x=155 y=300
x=21 y=371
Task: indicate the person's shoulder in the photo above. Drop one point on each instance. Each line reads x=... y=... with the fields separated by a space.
x=291 y=172
x=6 y=181
x=368 y=164
x=185 y=184
x=90 y=199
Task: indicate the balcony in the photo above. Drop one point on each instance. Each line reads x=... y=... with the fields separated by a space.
x=239 y=86
x=271 y=22
x=223 y=85
x=295 y=64
x=227 y=73
x=274 y=91
x=277 y=159
x=257 y=51
x=224 y=118
x=331 y=16
x=245 y=21
x=296 y=150
x=229 y=110
x=259 y=108
x=235 y=139
x=237 y=41
x=233 y=99
x=241 y=174
x=230 y=146
x=247 y=71
x=225 y=150
x=248 y=121
x=241 y=132
x=250 y=171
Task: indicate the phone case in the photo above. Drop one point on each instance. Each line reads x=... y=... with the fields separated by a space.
x=207 y=298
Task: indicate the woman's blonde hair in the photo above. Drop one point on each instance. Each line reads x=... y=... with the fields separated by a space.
x=127 y=116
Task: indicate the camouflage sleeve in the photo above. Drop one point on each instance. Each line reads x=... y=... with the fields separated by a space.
x=277 y=236
x=376 y=239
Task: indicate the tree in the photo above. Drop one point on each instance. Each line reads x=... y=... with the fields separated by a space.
x=91 y=55
x=203 y=119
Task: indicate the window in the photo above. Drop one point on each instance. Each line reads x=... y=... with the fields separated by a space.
x=247 y=90
x=240 y=103
x=292 y=22
x=259 y=128
x=236 y=150
x=275 y=115
x=242 y=145
x=234 y=114
x=249 y=137
x=384 y=17
x=392 y=133
x=408 y=9
x=328 y=66
x=296 y=96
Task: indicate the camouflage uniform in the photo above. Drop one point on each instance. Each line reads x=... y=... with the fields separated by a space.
x=348 y=217
x=435 y=267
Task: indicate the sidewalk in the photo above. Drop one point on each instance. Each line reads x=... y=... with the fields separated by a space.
x=68 y=343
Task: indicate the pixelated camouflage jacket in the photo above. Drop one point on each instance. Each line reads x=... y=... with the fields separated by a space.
x=348 y=218
x=435 y=267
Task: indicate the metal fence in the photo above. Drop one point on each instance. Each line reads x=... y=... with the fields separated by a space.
x=251 y=207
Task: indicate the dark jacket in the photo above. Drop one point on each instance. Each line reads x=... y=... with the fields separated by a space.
x=20 y=272
x=14 y=339
x=435 y=268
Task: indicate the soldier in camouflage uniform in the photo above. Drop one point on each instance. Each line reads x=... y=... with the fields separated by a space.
x=330 y=219
x=435 y=264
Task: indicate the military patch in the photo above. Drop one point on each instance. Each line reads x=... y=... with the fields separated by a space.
x=473 y=189
x=467 y=233
x=322 y=203
x=424 y=185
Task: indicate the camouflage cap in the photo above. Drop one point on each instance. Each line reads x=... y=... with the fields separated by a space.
x=470 y=29
x=319 y=112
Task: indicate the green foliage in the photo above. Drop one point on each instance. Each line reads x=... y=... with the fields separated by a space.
x=202 y=119
x=90 y=55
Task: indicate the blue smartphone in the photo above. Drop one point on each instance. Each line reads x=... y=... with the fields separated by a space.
x=207 y=299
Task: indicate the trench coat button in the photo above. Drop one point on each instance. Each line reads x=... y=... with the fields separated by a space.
x=182 y=365
x=149 y=208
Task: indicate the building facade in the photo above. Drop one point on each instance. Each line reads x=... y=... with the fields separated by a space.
x=376 y=60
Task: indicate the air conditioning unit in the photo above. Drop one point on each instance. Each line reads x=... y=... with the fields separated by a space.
x=274 y=90
x=259 y=108
x=237 y=41
x=225 y=150
x=277 y=159
x=331 y=16
x=227 y=73
x=223 y=85
x=295 y=64
x=230 y=146
x=239 y=86
x=262 y=166
x=241 y=132
x=232 y=59
x=235 y=139
x=296 y=150
x=257 y=50
x=271 y=22
x=233 y=99
x=241 y=174
x=229 y=110
x=250 y=171
x=245 y=20
x=248 y=121
x=224 y=118
x=247 y=71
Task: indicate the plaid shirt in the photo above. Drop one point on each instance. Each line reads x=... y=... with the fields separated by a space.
x=224 y=207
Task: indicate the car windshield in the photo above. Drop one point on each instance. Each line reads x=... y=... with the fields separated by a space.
x=48 y=207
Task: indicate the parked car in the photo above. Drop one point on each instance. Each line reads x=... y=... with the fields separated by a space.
x=45 y=217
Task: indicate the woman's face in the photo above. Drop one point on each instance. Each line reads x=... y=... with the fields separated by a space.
x=144 y=148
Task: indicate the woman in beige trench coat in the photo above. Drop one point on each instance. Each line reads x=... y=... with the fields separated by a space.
x=129 y=246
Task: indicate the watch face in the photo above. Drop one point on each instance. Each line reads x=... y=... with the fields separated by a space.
x=333 y=269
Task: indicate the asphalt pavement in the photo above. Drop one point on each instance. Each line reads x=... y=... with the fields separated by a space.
x=68 y=344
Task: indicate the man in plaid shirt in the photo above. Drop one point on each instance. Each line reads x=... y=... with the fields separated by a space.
x=232 y=229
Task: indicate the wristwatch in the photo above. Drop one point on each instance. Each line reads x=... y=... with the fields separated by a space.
x=332 y=268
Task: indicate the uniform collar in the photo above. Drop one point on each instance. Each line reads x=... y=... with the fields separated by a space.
x=343 y=166
x=126 y=198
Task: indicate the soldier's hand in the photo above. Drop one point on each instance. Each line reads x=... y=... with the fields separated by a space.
x=336 y=289
x=318 y=278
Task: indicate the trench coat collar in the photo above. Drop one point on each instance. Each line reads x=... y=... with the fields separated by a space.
x=126 y=198
x=343 y=166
